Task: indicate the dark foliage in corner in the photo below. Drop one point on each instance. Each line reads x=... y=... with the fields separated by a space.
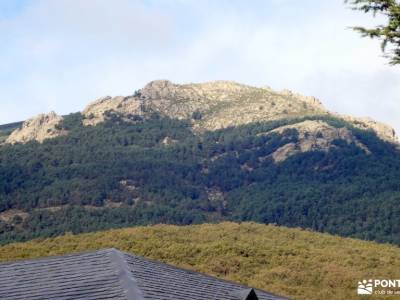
x=389 y=34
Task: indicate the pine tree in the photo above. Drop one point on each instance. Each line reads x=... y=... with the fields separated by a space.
x=389 y=34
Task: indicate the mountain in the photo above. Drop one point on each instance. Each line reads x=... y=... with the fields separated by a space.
x=295 y=263
x=207 y=106
x=195 y=153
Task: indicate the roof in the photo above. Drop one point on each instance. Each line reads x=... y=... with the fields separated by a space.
x=111 y=274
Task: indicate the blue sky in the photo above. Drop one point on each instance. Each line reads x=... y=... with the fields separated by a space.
x=62 y=54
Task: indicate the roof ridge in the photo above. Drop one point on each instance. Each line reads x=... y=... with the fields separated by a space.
x=241 y=285
x=111 y=272
x=128 y=282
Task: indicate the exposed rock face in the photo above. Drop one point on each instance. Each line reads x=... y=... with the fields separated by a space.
x=95 y=113
x=307 y=99
x=168 y=141
x=384 y=131
x=210 y=106
x=39 y=128
x=312 y=136
x=9 y=215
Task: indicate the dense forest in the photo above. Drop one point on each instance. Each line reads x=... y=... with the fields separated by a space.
x=119 y=173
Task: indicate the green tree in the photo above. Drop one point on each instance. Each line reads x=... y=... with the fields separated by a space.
x=389 y=34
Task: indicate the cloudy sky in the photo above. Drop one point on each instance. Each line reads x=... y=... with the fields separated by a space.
x=61 y=54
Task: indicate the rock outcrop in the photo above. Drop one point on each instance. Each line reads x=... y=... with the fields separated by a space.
x=39 y=128
x=382 y=130
x=220 y=104
x=313 y=136
x=208 y=106
x=96 y=112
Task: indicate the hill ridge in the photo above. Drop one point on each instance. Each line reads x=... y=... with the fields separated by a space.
x=210 y=105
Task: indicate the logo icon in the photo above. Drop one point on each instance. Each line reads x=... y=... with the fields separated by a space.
x=365 y=287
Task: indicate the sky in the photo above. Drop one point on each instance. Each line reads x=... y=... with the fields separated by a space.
x=60 y=55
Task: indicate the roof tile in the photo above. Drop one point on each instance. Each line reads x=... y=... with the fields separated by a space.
x=111 y=274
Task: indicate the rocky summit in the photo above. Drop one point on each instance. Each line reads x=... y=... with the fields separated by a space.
x=39 y=128
x=207 y=106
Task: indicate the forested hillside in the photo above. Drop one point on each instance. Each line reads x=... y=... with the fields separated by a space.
x=292 y=262
x=157 y=170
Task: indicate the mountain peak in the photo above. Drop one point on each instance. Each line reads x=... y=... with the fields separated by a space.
x=207 y=106
x=38 y=128
x=157 y=84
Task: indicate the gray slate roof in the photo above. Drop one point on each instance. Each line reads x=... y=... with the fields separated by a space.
x=111 y=274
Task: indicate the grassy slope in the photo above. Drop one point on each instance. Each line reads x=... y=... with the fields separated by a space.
x=292 y=262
